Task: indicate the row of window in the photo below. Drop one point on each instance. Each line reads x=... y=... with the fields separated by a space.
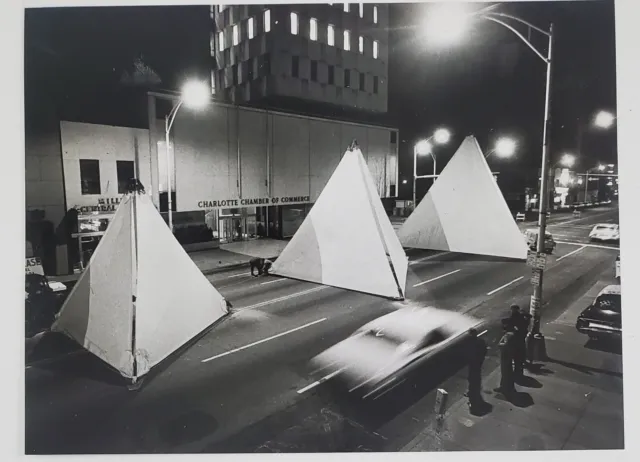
x=295 y=73
x=331 y=40
x=90 y=175
x=346 y=8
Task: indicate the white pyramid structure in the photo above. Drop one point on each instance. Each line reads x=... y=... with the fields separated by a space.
x=465 y=211
x=139 y=293
x=347 y=240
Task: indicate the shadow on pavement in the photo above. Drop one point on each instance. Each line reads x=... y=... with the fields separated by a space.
x=585 y=369
x=613 y=346
x=519 y=399
x=529 y=382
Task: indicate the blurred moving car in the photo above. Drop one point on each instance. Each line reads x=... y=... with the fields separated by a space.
x=383 y=351
x=618 y=267
x=603 y=318
x=605 y=232
x=531 y=236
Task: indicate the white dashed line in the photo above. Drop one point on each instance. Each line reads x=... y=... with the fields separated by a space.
x=590 y=245
x=571 y=253
x=271 y=282
x=436 y=278
x=263 y=340
x=281 y=299
x=318 y=382
x=506 y=285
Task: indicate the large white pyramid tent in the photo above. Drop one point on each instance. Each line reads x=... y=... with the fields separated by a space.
x=139 y=293
x=347 y=240
x=465 y=211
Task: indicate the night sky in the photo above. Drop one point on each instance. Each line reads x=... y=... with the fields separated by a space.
x=489 y=85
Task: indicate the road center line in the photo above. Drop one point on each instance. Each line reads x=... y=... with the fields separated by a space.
x=281 y=299
x=420 y=260
x=590 y=245
x=436 y=278
x=263 y=340
x=506 y=285
x=571 y=253
x=318 y=382
x=271 y=282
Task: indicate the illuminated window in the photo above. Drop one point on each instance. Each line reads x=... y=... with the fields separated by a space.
x=250 y=28
x=313 y=29
x=236 y=34
x=294 y=23
x=375 y=49
x=346 y=7
x=212 y=11
x=221 y=41
x=361 y=44
x=375 y=15
x=331 y=40
x=267 y=20
x=212 y=44
x=362 y=10
x=347 y=40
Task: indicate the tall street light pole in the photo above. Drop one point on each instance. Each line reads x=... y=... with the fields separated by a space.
x=441 y=136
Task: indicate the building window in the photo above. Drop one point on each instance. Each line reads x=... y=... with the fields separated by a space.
x=212 y=11
x=331 y=75
x=331 y=40
x=295 y=66
x=375 y=84
x=313 y=29
x=375 y=49
x=347 y=40
x=221 y=8
x=375 y=15
x=393 y=137
x=235 y=70
x=362 y=81
x=346 y=7
x=361 y=44
x=267 y=20
x=294 y=23
x=221 y=41
x=124 y=170
x=314 y=71
x=347 y=78
x=250 y=28
x=212 y=44
x=213 y=82
x=361 y=10
x=236 y=34
x=90 y=176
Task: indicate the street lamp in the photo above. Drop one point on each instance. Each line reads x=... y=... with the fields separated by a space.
x=424 y=147
x=505 y=147
x=568 y=160
x=194 y=95
x=448 y=23
x=604 y=119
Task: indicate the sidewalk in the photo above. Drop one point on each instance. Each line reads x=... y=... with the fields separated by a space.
x=573 y=402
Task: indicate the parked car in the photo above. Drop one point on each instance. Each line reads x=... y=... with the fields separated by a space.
x=603 y=318
x=605 y=232
x=618 y=267
x=531 y=236
x=390 y=347
x=520 y=216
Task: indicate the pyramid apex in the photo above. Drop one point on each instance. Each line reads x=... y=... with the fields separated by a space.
x=354 y=145
x=134 y=186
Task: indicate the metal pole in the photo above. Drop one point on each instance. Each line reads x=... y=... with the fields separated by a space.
x=169 y=201
x=434 y=164
x=586 y=186
x=415 y=162
x=536 y=298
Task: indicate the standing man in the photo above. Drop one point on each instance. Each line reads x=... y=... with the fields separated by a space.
x=520 y=350
x=507 y=349
x=477 y=354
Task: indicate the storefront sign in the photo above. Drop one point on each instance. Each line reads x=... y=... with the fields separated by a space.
x=105 y=204
x=33 y=266
x=261 y=201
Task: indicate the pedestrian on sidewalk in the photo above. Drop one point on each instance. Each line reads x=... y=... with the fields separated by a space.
x=521 y=328
x=507 y=350
x=476 y=355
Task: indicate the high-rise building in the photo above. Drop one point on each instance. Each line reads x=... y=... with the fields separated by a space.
x=332 y=53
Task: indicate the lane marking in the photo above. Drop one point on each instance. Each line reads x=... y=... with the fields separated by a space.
x=320 y=381
x=571 y=253
x=263 y=340
x=482 y=333
x=420 y=260
x=587 y=217
x=506 y=285
x=280 y=299
x=590 y=245
x=271 y=282
x=436 y=278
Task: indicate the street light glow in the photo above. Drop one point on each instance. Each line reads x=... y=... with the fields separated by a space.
x=446 y=24
x=601 y=167
x=195 y=94
x=505 y=147
x=579 y=180
x=568 y=160
x=604 y=119
x=423 y=147
x=442 y=136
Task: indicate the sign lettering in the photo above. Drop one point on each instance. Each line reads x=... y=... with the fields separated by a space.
x=105 y=204
x=33 y=266
x=264 y=201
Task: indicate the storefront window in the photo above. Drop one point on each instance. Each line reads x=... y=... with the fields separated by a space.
x=292 y=218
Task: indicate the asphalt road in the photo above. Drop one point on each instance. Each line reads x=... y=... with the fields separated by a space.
x=245 y=386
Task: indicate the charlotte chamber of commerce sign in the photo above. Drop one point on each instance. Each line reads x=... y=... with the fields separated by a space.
x=263 y=201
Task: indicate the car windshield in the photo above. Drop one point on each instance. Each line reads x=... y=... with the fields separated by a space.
x=608 y=302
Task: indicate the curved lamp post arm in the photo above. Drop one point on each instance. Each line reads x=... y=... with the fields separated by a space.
x=172 y=116
x=518 y=34
x=522 y=21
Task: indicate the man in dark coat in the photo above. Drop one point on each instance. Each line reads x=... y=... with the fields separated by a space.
x=507 y=349
x=477 y=353
x=262 y=265
x=520 y=322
